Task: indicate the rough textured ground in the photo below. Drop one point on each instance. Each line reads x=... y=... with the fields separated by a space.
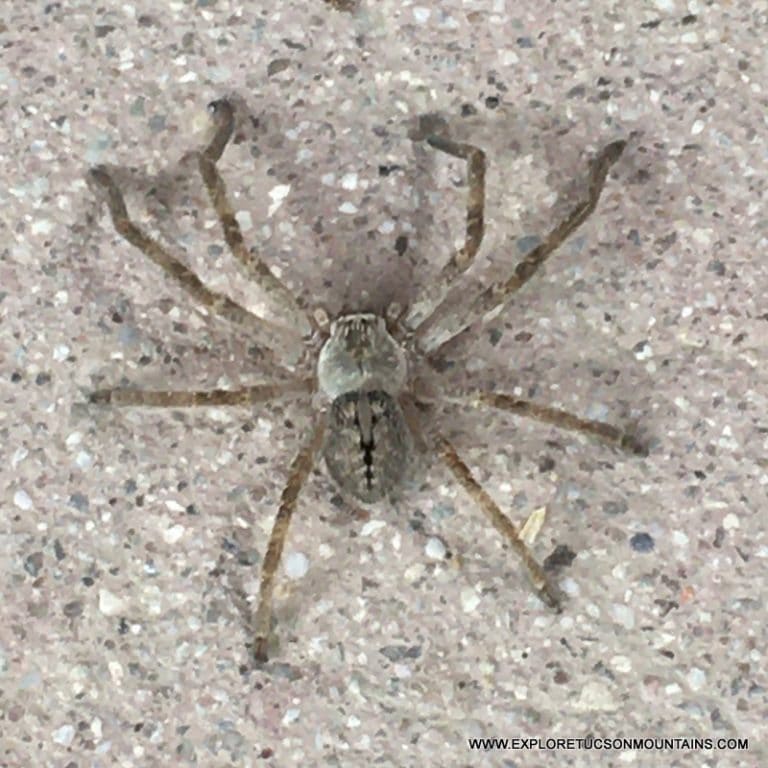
x=130 y=539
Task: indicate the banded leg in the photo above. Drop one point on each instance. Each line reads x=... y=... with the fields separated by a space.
x=497 y=295
x=224 y=119
x=499 y=520
x=217 y=303
x=460 y=261
x=606 y=433
x=259 y=393
x=300 y=469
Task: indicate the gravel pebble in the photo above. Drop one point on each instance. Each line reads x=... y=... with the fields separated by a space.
x=296 y=565
x=435 y=549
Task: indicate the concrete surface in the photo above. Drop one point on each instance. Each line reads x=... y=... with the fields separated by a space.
x=131 y=539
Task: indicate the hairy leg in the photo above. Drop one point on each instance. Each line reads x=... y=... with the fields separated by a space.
x=297 y=477
x=258 y=393
x=448 y=323
x=424 y=306
x=499 y=521
x=223 y=116
x=216 y=303
x=606 y=433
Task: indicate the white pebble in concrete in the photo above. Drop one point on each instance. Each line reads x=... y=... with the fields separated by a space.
x=110 y=604
x=624 y=615
x=64 y=735
x=22 y=501
x=277 y=194
x=371 y=527
x=730 y=521
x=469 y=599
x=73 y=439
x=296 y=565
x=349 y=181
x=595 y=697
x=173 y=534
x=435 y=549
x=697 y=678
x=291 y=715
x=621 y=664
x=245 y=220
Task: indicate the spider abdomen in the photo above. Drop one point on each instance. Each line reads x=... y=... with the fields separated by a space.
x=367 y=444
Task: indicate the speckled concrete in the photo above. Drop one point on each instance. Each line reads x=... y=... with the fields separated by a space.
x=131 y=539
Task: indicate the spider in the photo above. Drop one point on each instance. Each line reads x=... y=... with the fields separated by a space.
x=360 y=368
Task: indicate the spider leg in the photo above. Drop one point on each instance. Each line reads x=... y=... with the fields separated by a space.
x=424 y=306
x=224 y=119
x=300 y=469
x=258 y=393
x=217 y=303
x=342 y=5
x=499 y=520
x=448 y=324
x=606 y=433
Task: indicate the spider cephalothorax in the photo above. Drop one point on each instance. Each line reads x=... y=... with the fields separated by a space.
x=360 y=355
x=367 y=422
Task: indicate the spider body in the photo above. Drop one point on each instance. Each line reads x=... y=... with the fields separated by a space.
x=367 y=422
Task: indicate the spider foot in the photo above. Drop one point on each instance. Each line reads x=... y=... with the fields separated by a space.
x=426 y=126
x=561 y=557
x=550 y=596
x=634 y=444
x=223 y=115
x=101 y=178
x=612 y=152
x=99 y=174
x=100 y=397
x=260 y=654
x=221 y=109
